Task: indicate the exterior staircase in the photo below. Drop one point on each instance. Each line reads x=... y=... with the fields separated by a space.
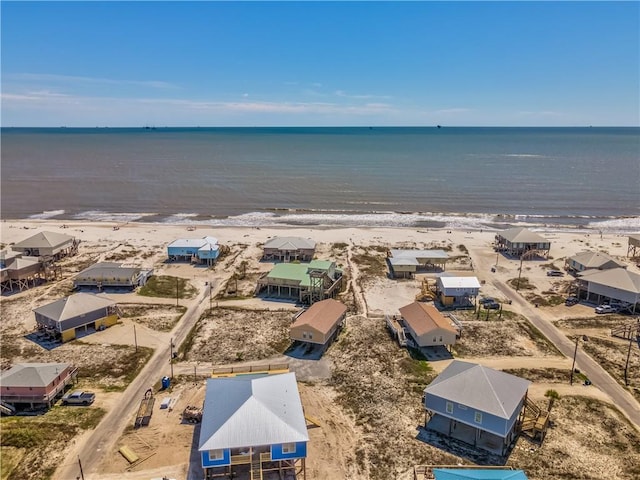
x=626 y=330
x=256 y=466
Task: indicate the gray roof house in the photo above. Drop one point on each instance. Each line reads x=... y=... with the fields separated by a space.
x=405 y=263
x=476 y=405
x=288 y=249
x=46 y=243
x=598 y=260
x=109 y=275
x=617 y=284
x=254 y=420
x=520 y=242
x=35 y=384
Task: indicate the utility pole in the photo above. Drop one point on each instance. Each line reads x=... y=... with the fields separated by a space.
x=575 y=352
x=80 y=464
x=177 y=291
x=135 y=337
x=626 y=365
x=519 y=274
x=171 y=358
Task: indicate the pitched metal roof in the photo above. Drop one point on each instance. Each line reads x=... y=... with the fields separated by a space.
x=434 y=254
x=251 y=410
x=44 y=239
x=522 y=235
x=194 y=242
x=298 y=271
x=619 y=278
x=477 y=474
x=22 y=262
x=73 y=306
x=108 y=270
x=425 y=317
x=480 y=388
x=594 y=259
x=459 y=282
x=322 y=315
x=32 y=374
x=290 y=243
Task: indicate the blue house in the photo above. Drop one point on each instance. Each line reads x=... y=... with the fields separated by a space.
x=476 y=405
x=253 y=424
x=478 y=474
x=200 y=250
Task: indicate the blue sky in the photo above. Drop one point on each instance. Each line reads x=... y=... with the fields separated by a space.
x=317 y=63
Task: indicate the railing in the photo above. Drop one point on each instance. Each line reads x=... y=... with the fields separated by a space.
x=249 y=369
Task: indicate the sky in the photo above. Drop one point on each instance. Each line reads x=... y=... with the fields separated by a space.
x=361 y=63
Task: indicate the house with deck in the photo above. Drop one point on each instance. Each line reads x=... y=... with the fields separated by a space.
x=35 y=385
x=522 y=243
x=427 y=326
x=613 y=285
x=457 y=292
x=320 y=323
x=253 y=425
x=289 y=249
x=304 y=282
x=195 y=250
x=406 y=263
x=592 y=260
x=21 y=273
x=76 y=315
x=111 y=275
x=48 y=244
x=476 y=405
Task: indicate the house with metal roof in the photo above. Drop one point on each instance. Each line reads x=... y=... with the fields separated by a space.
x=319 y=323
x=304 y=282
x=48 y=244
x=31 y=385
x=597 y=260
x=427 y=326
x=633 y=245
x=521 y=242
x=21 y=273
x=111 y=275
x=616 y=284
x=476 y=405
x=406 y=263
x=79 y=314
x=495 y=473
x=253 y=424
x=457 y=292
x=195 y=250
x=289 y=249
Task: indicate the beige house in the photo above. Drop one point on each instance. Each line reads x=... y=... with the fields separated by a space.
x=597 y=260
x=427 y=326
x=48 y=244
x=406 y=263
x=617 y=284
x=111 y=275
x=289 y=249
x=319 y=323
x=520 y=242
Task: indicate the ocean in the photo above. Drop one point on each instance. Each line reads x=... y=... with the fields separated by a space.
x=549 y=178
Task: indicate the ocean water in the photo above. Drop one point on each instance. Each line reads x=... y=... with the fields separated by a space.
x=580 y=178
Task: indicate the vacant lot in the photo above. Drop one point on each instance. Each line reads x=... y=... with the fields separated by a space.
x=157 y=317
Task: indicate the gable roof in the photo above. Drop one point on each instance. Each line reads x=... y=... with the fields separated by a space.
x=108 y=269
x=321 y=316
x=480 y=388
x=73 y=306
x=252 y=410
x=22 y=262
x=619 y=278
x=211 y=242
x=424 y=318
x=594 y=259
x=478 y=474
x=433 y=254
x=32 y=374
x=290 y=243
x=299 y=271
x=459 y=282
x=522 y=235
x=44 y=239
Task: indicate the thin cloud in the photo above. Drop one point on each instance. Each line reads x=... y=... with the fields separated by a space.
x=342 y=93
x=72 y=79
x=447 y=111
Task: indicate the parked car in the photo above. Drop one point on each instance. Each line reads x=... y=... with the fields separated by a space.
x=554 y=273
x=484 y=300
x=78 y=398
x=571 y=301
x=491 y=305
x=606 y=309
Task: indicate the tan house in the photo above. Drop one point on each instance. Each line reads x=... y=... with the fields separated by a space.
x=520 y=242
x=613 y=285
x=289 y=249
x=77 y=314
x=48 y=244
x=427 y=326
x=406 y=263
x=111 y=275
x=319 y=323
x=35 y=384
x=586 y=260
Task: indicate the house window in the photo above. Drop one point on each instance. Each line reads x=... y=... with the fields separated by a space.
x=304 y=334
x=434 y=339
x=310 y=335
x=440 y=338
x=478 y=417
x=215 y=455
x=288 y=448
x=449 y=407
x=462 y=407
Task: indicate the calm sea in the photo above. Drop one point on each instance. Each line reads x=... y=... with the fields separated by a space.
x=456 y=177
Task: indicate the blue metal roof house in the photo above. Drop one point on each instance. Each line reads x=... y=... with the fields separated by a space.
x=198 y=250
x=253 y=424
x=476 y=405
x=478 y=474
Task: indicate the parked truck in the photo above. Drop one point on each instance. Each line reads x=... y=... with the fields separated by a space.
x=78 y=397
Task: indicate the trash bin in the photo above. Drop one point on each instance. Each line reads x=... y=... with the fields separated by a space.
x=166 y=381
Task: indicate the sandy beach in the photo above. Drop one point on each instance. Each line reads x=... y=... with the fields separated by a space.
x=370 y=295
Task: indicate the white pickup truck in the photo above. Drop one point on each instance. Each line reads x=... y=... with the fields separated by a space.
x=78 y=397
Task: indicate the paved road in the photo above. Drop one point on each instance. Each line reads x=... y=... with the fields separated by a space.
x=598 y=375
x=102 y=440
